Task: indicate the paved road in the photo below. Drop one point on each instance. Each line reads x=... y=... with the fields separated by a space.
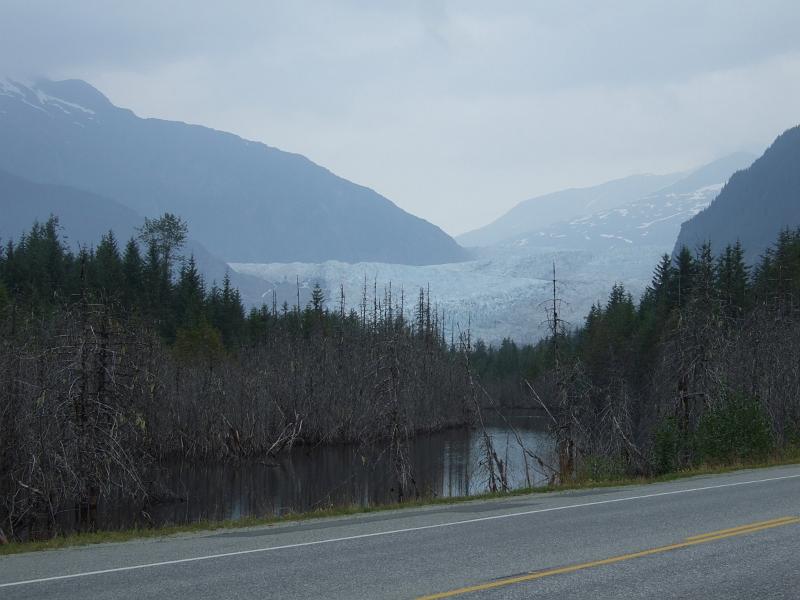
x=632 y=542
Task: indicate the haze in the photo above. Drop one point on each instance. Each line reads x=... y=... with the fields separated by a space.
x=454 y=110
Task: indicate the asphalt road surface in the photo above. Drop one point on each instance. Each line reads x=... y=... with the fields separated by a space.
x=724 y=536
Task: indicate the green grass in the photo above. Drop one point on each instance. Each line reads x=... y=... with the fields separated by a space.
x=100 y=537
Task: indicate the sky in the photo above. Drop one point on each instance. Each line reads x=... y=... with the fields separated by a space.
x=456 y=111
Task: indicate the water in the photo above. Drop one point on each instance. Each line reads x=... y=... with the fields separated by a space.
x=448 y=463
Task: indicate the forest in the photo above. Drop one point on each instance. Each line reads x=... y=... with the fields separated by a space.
x=115 y=358
x=703 y=370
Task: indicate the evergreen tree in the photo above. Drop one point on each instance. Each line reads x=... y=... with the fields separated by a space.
x=704 y=278
x=684 y=276
x=620 y=313
x=40 y=266
x=157 y=287
x=660 y=295
x=189 y=296
x=317 y=299
x=657 y=303
x=132 y=281
x=107 y=273
x=227 y=312
x=732 y=281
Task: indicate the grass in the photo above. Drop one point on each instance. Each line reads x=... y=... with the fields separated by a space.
x=101 y=537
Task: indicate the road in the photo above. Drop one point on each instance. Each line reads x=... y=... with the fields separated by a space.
x=724 y=536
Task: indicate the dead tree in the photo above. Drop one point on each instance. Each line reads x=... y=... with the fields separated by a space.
x=565 y=419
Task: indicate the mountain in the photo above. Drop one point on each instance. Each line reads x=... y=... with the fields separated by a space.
x=246 y=201
x=654 y=219
x=755 y=205
x=84 y=217
x=537 y=213
x=504 y=291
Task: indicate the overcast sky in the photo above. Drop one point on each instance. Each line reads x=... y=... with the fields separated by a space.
x=456 y=111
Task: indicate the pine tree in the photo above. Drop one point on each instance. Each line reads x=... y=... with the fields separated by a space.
x=228 y=314
x=733 y=281
x=704 y=277
x=317 y=299
x=108 y=274
x=157 y=292
x=132 y=282
x=684 y=276
x=41 y=267
x=189 y=296
x=663 y=283
x=620 y=313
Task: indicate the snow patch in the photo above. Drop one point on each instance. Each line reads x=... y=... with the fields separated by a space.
x=11 y=88
x=60 y=103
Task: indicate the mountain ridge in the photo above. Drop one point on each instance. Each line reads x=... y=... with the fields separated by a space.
x=504 y=291
x=245 y=200
x=755 y=204
x=544 y=210
x=653 y=219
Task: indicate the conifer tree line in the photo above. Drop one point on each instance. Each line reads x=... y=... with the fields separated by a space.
x=705 y=368
x=114 y=358
x=118 y=356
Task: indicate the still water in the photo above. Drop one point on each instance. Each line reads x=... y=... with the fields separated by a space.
x=447 y=463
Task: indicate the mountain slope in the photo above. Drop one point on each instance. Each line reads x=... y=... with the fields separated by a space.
x=539 y=212
x=755 y=205
x=505 y=290
x=84 y=217
x=246 y=201
x=654 y=219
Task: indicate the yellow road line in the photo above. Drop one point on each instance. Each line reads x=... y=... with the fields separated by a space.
x=693 y=541
x=742 y=528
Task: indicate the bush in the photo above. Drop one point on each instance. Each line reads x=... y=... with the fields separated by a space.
x=792 y=435
x=203 y=341
x=601 y=468
x=736 y=429
x=667 y=447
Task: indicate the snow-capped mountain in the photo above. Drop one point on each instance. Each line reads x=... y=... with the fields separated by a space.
x=504 y=292
x=256 y=206
x=543 y=211
x=654 y=219
x=651 y=220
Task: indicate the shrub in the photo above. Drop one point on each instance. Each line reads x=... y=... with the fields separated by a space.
x=667 y=446
x=601 y=468
x=792 y=435
x=736 y=429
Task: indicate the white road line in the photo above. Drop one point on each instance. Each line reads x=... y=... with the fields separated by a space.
x=393 y=532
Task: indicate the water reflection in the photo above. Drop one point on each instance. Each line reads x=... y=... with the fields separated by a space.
x=448 y=463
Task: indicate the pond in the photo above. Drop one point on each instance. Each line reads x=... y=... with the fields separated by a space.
x=444 y=464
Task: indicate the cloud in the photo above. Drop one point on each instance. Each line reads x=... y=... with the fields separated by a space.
x=454 y=110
